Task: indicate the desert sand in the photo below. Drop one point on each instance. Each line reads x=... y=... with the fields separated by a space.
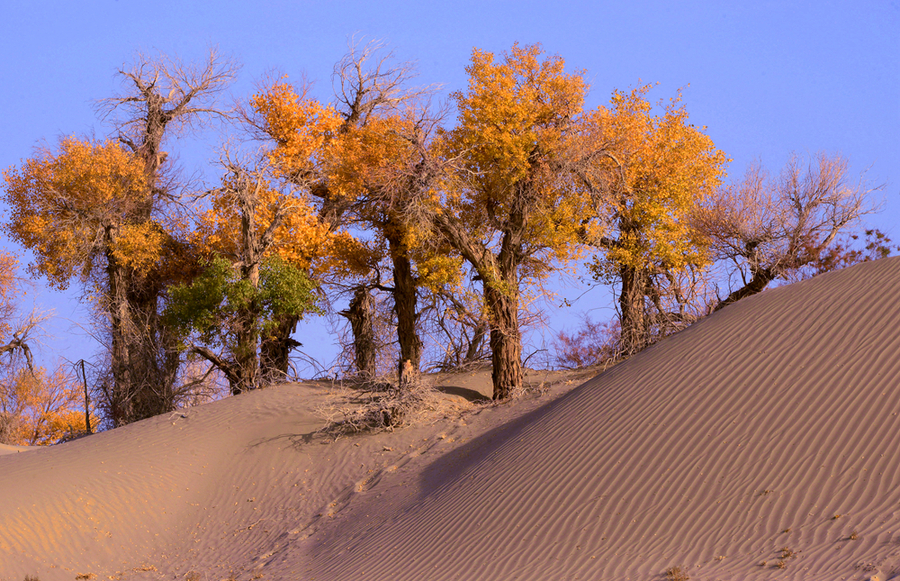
x=760 y=443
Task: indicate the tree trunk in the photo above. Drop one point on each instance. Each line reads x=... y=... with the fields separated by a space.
x=246 y=357
x=633 y=322
x=506 y=340
x=405 y=308
x=761 y=279
x=275 y=351
x=120 y=397
x=361 y=317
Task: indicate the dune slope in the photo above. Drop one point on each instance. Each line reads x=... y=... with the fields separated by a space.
x=760 y=443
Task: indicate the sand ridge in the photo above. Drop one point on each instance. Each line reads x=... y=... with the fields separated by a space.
x=766 y=433
x=758 y=444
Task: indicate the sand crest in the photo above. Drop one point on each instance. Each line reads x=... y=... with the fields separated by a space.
x=759 y=443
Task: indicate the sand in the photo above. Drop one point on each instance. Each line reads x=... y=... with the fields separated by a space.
x=761 y=443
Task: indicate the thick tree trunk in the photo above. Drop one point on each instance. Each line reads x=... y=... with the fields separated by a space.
x=761 y=279
x=143 y=366
x=405 y=308
x=275 y=351
x=634 y=335
x=246 y=357
x=506 y=340
x=119 y=395
x=361 y=317
x=151 y=393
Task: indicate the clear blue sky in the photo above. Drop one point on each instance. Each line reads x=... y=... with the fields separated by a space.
x=767 y=78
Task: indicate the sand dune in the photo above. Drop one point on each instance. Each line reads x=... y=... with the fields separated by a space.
x=761 y=443
x=712 y=451
x=7 y=449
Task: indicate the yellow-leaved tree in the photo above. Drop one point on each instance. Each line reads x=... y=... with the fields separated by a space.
x=83 y=211
x=98 y=211
x=367 y=163
x=649 y=170
x=38 y=408
x=511 y=210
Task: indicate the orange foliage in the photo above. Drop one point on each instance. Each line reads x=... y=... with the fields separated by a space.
x=64 y=205
x=300 y=127
x=515 y=123
x=657 y=169
x=41 y=408
x=8 y=293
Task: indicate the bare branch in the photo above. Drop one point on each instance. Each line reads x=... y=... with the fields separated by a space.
x=165 y=94
x=771 y=228
x=366 y=81
x=23 y=336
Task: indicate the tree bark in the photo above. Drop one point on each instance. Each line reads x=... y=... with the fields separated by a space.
x=361 y=317
x=405 y=302
x=634 y=334
x=506 y=340
x=275 y=351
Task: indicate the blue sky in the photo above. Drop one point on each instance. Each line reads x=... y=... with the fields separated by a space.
x=766 y=78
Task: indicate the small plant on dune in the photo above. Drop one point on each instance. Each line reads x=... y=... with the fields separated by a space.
x=592 y=343
x=30 y=578
x=378 y=406
x=192 y=576
x=676 y=574
x=853 y=536
x=787 y=553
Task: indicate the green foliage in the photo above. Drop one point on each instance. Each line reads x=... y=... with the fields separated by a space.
x=215 y=302
x=285 y=291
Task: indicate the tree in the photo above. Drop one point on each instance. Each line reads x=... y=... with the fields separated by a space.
x=769 y=228
x=76 y=210
x=258 y=241
x=228 y=309
x=38 y=408
x=512 y=212
x=648 y=173
x=367 y=170
x=386 y=169
x=17 y=334
x=96 y=210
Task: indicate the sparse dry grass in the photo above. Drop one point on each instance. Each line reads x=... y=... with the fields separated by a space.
x=379 y=405
x=676 y=574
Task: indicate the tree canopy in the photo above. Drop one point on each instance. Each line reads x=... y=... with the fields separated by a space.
x=410 y=219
